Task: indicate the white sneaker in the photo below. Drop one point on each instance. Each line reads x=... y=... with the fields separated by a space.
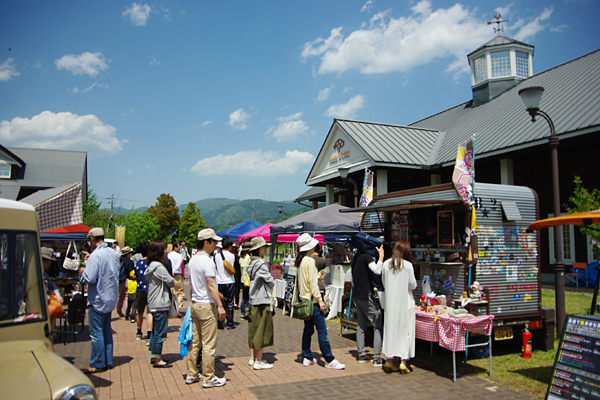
x=308 y=363
x=251 y=362
x=335 y=364
x=261 y=364
x=214 y=382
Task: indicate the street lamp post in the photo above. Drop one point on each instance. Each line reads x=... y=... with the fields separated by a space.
x=344 y=174
x=280 y=209
x=532 y=96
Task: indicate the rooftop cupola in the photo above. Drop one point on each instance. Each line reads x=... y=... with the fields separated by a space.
x=498 y=66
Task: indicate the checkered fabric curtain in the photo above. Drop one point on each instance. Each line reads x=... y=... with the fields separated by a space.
x=61 y=210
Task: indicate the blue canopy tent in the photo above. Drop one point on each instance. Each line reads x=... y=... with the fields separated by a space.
x=234 y=231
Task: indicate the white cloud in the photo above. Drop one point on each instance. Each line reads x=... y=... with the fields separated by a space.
x=254 y=163
x=238 y=118
x=289 y=127
x=8 y=70
x=153 y=61
x=346 y=110
x=390 y=44
x=100 y=85
x=367 y=6
x=63 y=130
x=559 y=28
x=531 y=28
x=129 y=171
x=75 y=89
x=138 y=13
x=38 y=64
x=85 y=64
x=324 y=94
x=347 y=89
x=206 y=123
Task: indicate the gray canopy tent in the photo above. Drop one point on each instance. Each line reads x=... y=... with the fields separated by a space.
x=326 y=220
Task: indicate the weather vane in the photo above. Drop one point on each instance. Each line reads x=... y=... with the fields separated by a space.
x=498 y=22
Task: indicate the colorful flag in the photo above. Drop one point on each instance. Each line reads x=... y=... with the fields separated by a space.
x=120 y=235
x=463 y=175
x=367 y=193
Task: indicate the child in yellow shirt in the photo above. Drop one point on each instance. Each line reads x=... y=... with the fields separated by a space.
x=131 y=297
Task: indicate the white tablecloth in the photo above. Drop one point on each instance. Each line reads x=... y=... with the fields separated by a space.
x=335 y=296
x=279 y=290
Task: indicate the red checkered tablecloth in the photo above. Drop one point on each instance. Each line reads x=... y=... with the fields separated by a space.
x=450 y=332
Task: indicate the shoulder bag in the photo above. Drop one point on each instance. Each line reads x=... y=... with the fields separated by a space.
x=301 y=309
x=227 y=265
x=71 y=264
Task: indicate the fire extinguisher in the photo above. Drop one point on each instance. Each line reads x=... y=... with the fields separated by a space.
x=526 y=342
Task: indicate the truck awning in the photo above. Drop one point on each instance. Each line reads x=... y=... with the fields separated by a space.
x=402 y=204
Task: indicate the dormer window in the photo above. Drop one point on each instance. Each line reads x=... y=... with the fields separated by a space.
x=500 y=64
x=4 y=171
x=522 y=64
x=480 y=69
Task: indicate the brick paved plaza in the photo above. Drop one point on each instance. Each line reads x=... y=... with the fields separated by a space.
x=134 y=378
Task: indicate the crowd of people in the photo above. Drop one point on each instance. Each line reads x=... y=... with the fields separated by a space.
x=150 y=280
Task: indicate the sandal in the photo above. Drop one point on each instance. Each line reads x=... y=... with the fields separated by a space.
x=159 y=365
x=90 y=370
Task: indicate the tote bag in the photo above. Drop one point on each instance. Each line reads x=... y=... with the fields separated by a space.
x=72 y=264
x=301 y=309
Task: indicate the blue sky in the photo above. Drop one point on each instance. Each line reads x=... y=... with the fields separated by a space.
x=234 y=99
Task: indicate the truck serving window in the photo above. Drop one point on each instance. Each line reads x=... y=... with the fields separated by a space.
x=21 y=287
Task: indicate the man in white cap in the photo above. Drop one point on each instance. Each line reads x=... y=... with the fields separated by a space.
x=206 y=308
x=47 y=258
x=101 y=274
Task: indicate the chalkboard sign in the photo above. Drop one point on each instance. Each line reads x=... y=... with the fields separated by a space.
x=576 y=372
x=289 y=284
x=445 y=228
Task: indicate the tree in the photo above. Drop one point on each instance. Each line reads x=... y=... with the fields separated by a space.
x=167 y=213
x=140 y=227
x=191 y=223
x=583 y=200
x=93 y=216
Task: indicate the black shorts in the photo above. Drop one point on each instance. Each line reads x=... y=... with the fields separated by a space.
x=142 y=302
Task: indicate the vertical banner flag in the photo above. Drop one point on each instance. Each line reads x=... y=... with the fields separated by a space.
x=367 y=192
x=462 y=177
x=120 y=235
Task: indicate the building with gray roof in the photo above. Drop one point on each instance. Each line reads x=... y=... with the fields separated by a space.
x=509 y=148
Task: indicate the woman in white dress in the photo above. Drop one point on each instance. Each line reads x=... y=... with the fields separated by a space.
x=399 y=281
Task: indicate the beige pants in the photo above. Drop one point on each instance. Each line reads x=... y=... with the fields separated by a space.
x=204 y=318
x=178 y=290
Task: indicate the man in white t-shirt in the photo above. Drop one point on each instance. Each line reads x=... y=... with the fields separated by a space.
x=176 y=261
x=225 y=280
x=206 y=303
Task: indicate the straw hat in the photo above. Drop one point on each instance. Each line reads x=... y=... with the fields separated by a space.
x=258 y=242
x=47 y=253
x=306 y=242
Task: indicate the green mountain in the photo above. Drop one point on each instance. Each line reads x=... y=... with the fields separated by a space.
x=221 y=213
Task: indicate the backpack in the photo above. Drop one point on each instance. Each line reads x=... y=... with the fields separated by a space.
x=365 y=244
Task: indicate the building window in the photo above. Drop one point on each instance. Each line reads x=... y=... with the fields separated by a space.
x=568 y=244
x=500 y=64
x=522 y=64
x=480 y=69
x=5 y=171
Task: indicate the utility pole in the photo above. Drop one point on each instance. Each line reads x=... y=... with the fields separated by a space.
x=252 y=211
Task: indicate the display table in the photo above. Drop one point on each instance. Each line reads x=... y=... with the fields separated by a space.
x=450 y=333
x=335 y=295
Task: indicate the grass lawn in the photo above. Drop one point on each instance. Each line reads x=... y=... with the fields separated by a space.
x=520 y=374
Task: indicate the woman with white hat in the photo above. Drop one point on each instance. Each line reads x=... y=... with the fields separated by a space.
x=260 y=318
x=308 y=289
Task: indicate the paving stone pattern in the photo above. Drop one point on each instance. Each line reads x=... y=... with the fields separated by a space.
x=134 y=378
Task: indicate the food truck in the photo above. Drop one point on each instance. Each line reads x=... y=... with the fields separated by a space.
x=501 y=254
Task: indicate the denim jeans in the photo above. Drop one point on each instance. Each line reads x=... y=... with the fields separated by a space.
x=368 y=311
x=159 y=332
x=102 y=339
x=318 y=320
x=245 y=300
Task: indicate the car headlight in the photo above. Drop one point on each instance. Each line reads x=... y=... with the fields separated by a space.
x=80 y=392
